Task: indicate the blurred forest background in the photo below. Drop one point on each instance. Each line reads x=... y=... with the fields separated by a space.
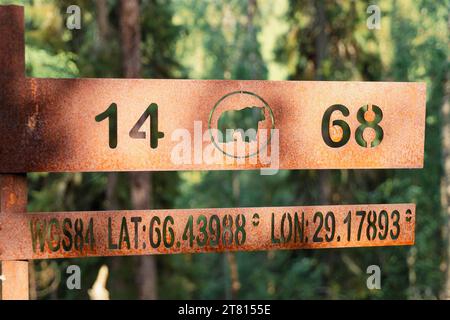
x=253 y=39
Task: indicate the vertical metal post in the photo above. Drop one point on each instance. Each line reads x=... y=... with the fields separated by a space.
x=14 y=283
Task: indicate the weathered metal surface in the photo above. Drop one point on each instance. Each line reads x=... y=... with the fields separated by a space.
x=84 y=234
x=13 y=187
x=13 y=193
x=54 y=125
x=49 y=124
x=12 y=33
x=14 y=274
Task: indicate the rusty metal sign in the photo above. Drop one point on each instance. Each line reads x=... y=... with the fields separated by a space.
x=91 y=125
x=73 y=125
x=84 y=234
x=78 y=125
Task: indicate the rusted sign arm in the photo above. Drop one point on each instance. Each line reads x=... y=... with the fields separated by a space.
x=143 y=232
x=13 y=187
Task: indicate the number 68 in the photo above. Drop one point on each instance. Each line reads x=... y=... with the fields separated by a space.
x=346 y=129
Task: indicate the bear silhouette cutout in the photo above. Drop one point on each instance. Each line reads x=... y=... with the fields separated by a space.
x=240 y=121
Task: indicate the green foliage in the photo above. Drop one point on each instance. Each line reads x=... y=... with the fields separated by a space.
x=41 y=62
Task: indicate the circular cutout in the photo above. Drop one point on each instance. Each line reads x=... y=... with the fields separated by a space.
x=222 y=100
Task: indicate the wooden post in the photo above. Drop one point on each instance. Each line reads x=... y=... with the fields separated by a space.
x=13 y=187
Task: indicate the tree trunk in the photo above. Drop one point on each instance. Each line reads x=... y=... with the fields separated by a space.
x=101 y=45
x=231 y=256
x=251 y=37
x=232 y=290
x=445 y=179
x=321 y=40
x=130 y=32
x=101 y=7
x=321 y=48
x=321 y=43
x=141 y=190
x=445 y=183
x=102 y=38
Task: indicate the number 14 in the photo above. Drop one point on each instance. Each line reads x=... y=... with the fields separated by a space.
x=135 y=133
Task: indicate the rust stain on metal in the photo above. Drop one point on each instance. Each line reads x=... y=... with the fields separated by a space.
x=13 y=193
x=12 y=199
x=32 y=120
x=118 y=233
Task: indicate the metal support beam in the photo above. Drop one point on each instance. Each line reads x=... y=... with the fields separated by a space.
x=13 y=187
